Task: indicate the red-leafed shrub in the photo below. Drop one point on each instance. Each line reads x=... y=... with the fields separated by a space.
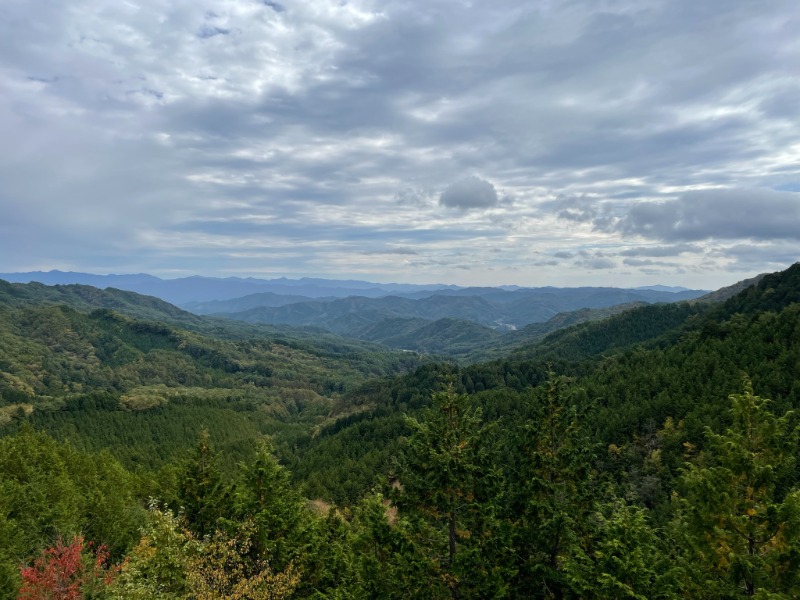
x=67 y=572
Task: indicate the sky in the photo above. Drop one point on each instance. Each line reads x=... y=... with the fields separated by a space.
x=547 y=142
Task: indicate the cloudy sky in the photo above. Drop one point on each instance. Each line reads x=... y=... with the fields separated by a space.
x=547 y=142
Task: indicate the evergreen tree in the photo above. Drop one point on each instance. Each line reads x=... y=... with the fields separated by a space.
x=623 y=558
x=549 y=490
x=446 y=492
x=740 y=515
x=267 y=497
x=203 y=495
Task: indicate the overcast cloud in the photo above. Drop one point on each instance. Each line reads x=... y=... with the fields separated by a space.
x=536 y=143
x=469 y=193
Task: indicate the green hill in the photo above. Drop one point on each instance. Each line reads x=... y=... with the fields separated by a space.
x=651 y=454
x=639 y=367
x=97 y=375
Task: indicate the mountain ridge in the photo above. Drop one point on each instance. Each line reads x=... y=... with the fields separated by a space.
x=199 y=288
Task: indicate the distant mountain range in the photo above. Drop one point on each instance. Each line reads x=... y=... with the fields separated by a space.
x=435 y=319
x=490 y=307
x=196 y=292
x=205 y=289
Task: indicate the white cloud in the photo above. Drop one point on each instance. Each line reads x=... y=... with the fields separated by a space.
x=300 y=122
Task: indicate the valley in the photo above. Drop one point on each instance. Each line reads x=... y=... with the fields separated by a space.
x=348 y=428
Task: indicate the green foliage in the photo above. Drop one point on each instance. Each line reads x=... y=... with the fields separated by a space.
x=342 y=462
x=266 y=497
x=144 y=389
x=446 y=486
x=622 y=558
x=773 y=292
x=594 y=338
x=739 y=508
x=511 y=482
x=204 y=496
x=550 y=482
x=50 y=491
x=170 y=563
x=157 y=567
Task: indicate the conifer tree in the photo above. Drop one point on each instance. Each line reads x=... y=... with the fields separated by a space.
x=444 y=490
x=740 y=517
x=549 y=490
x=203 y=495
x=267 y=497
x=623 y=557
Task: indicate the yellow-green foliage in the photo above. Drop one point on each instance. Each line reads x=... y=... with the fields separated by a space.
x=171 y=562
x=7 y=413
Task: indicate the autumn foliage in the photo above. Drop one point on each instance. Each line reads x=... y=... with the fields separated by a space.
x=67 y=572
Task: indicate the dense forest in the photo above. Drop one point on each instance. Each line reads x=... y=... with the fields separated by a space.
x=149 y=453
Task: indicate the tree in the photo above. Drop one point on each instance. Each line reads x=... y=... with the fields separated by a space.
x=549 y=484
x=224 y=569
x=740 y=517
x=203 y=494
x=67 y=572
x=622 y=558
x=157 y=566
x=171 y=563
x=445 y=490
x=267 y=497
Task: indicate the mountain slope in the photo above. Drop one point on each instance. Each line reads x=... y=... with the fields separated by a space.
x=145 y=389
x=84 y=297
x=447 y=337
x=58 y=340
x=268 y=299
x=489 y=307
x=633 y=372
x=345 y=315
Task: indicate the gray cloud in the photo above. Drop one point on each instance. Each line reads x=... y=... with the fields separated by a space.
x=208 y=31
x=646 y=262
x=470 y=192
x=318 y=134
x=581 y=209
x=274 y=6
x=662 y=251
x=594 y=260
x=599 y=263
x=717 y=214
x=762 y=256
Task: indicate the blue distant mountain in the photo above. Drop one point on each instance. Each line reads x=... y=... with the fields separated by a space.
x=205 y=289
x=663 y=288
x=348 y=306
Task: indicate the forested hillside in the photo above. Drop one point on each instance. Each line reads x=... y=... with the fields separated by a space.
x=146 y=388
x=496 y=308
x=652 y=454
